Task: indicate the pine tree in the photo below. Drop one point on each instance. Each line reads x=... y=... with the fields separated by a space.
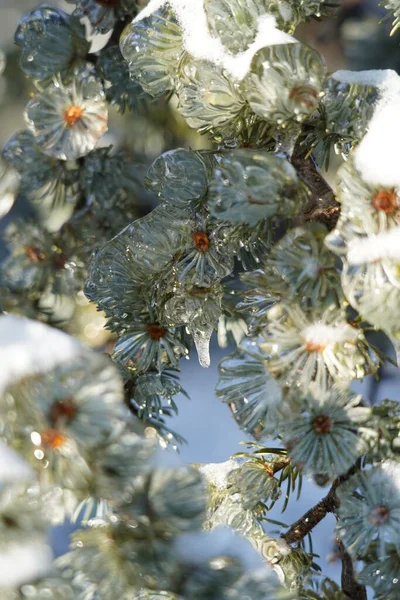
x=247 y=238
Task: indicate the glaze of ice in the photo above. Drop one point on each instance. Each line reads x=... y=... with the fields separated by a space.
x=199 y=547
x=217 y=473
x=199 y=42
x=21 y=563
x=29 y=347
x=12 y=467
x=321 y=334
x=376 y=157
x=379 y=246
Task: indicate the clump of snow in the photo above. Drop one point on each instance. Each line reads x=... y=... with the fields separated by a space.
x=12 y=467
x=217 y=473
x=376 y=157
x=380 y=246
x=321 y=334
x=21 y=563
x=29 y=347
x=198 y=547
x=391 y=469
x=379 y=78
x=199 y=42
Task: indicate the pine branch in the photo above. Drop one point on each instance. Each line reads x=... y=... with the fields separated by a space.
x=312 y=517
x=350 y=586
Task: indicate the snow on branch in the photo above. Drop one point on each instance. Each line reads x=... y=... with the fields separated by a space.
x=29 y=347
x=199 y=42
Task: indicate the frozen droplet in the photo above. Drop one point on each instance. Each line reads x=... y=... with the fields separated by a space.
x=201 y=338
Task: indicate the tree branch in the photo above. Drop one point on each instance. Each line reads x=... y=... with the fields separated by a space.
x=350 y=587
x=312 y=517
x=325 y=207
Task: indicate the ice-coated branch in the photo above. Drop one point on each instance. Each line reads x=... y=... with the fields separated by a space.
x=350 y=586
x=312 y=517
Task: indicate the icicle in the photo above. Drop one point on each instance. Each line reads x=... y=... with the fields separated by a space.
x=201 y=338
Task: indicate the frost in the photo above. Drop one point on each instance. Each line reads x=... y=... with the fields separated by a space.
x=217 y=473
x=222 y=541
x=20 y=563
x=199 y=42
x=12 y=467
x=29 y=347
x=385 y=245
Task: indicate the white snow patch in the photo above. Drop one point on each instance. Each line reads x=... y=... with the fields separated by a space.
x=12 y=467
x=217 y=473
x=380 y=78
x=198 y=547
x=21 y=563
x=199 y=42
x=29 y=347
x=375 y=247
x=321 y=334
x=376 y=157
x=391 y=469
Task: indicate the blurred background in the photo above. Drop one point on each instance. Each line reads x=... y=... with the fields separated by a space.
x=355 y=40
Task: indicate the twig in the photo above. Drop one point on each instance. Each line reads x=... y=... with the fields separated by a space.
x=312 y=517
x=350 y=587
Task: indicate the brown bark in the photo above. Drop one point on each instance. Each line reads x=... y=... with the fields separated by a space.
x=325 y=208
x=313 y=516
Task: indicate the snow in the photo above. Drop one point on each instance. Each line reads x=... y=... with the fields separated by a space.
x=383 y=79
x=217 y=473
x=325 y=335
x=199 y=547
x=12 y=467
x=29 y=347
x=380 y=246
x=21 y=563
x=198 y=41
x=376 y=157
x=387 y=470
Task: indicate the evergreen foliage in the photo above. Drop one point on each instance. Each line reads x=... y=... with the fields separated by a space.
x=246 y=238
